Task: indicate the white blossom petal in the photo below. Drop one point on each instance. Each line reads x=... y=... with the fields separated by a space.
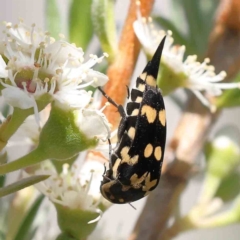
x=94 y=124
x=198 y=76
x=64 y=53
x=99 y=78
x=72 y=188
x=17 y=98
x=72 y=99
x=41 y=65
x=3 y=71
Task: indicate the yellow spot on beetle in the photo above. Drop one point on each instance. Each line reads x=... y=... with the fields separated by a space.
x=150 y=80
x=135 y=112
x=121 y=200
x=148 y=150
x=150 y=112
x=131 y=132
x=162 y=117
x=158 y=153
x=130 y=161
x=124 y=152
x=125 y=188
x=115 y=167
x=126 y=158
x=141 y=87
x=135 y=180
x=146 y=193
x=138 y=99
x=149 y=184
x=134 y=160
x=143 y=76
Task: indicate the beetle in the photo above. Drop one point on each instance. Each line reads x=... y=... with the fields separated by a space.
x=136 y=162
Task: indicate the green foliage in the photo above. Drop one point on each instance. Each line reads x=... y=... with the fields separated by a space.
x=229 y=98
x=65 y=236
x=2 y=236
x=168 y=80
x=104 y=25
x=25 y=230
x=23 y=183
x=53 y=18
x=75 y=222
x=80 y=25
x=199 y=19
x=2 y=180
x=61 y=138
x=229 y=187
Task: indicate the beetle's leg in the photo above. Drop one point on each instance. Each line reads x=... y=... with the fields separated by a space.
x=128 y=92
x=119 y=107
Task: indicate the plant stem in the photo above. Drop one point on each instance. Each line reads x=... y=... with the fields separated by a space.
x=210 y=186
x=121 y=70
x=182 y=225
x=34 y=157
x=11 y=125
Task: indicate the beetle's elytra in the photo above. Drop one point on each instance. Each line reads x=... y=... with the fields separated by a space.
x=136 y=162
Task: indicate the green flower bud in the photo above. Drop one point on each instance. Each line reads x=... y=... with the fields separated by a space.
x=236 y=208
x=169 y=80
x=61 y=138
x=230 y=98
x=65 y=236
x=223 y=156
x=77 y=223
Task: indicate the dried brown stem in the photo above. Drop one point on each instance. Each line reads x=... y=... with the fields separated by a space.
x=121 y=70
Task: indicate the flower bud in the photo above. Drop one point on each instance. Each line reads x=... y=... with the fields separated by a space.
x=223 y=156
x=61 y=138
x=76 y=222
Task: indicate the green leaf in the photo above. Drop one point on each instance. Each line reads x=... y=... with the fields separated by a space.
x=23 y=183
x=2 y=236
x=3 y=158
x=208 y=9
x=230 y=97
x=194 y=20
x=4 y=206
x=229 y=187
x=2 y=180
x=199 y=18
x=25 y=228
x=5 y=110
x=80 y=24
x=104 y=25
x=53 y=18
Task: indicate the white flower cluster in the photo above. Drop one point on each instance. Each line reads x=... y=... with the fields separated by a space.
x=199 y=76
x=72 y=188
x=33 y=64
